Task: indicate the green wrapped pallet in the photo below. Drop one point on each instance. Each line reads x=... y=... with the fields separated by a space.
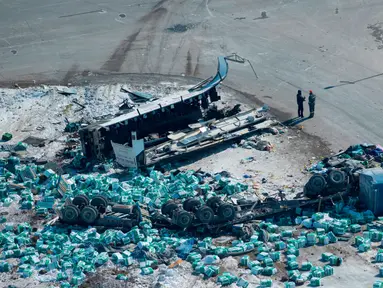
x=192 y=257
x=291 y=258
x=280 y=245
x=328 y=270
x=268 y=262
x=377 y=236
x=275 y=256
x=291 y=242
x=261 y=256
x=293 y=274
x=221 y=251
x=269 y=271
x=326 y=256
x=274 y=237
x=318 y=273
x=266 y=282
x=292 y=251
x=6 y=136
x=364 y=247
x=355 y=228
x=379 y=257
x=245 y=260
x=252 y=264
x=289 y=285
x=256 y=270
x=378 y=284
x=332 y=237
x=237 y=249
x=292 y=265
x=287 y=233
x=381 y=271
x=359 y=240
x=242 y=283
x=306 y=266
x=147 y=271
x=323 y=239
x=302 y=240
x=320 y=231
x=272 y=228
x=335 y=261
x=122 y=277
x=317 y=216
x=254 y=238
x=315 y=282
x=211 y=271
x=263 y=248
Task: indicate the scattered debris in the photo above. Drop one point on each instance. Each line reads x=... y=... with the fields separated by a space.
x=6 y=137
x=181 y=28
x=66 y=91
x=34 y=141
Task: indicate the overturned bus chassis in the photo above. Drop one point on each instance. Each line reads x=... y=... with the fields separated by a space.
x=169 y=113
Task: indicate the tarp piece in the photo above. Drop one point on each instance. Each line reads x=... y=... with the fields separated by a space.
x=371 y=190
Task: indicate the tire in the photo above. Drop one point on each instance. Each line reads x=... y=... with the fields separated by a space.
x=80 y=201
x=183 y=219
x=226 y=212
x=190 y=204
x=213 y=202
x=336 y=178
x=205 y=214
x=100 y=202
x=309 y=193
x=70 y=214
x=168 y=207
x=89 y=214
x=317 y=183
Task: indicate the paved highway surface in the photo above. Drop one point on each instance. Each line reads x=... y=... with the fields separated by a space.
x=306 y=44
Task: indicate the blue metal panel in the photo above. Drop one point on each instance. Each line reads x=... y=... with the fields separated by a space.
x=371 y=190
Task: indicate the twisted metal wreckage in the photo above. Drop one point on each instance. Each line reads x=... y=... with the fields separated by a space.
x=128 y=136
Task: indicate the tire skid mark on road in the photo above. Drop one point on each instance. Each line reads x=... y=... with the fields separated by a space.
x=115 y=61
x=147 y=25
x=70 y=74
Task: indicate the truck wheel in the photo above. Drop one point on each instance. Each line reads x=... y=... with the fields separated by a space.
x=226 y=212
x=100 y=202
x=70 y=214
x=336 y=178
x=89 y=214
x=317 y=183
x=308 y=192
x=168 y=207
x=213 y=202
x=80 y=201
x=205 y=214
x=183 y=219
x=190 y=204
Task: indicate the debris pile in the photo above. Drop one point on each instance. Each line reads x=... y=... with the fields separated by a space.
x=356 y=156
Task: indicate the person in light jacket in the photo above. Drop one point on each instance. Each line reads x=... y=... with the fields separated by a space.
x=312 y=99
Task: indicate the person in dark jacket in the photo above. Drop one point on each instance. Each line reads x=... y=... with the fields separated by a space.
x=300 y=100
x=312 y=99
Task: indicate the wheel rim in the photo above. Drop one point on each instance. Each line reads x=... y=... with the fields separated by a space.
x=89 y=214
x=70 y=214
x=205 y=214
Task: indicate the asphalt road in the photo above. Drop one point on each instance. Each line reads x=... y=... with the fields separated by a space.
x=306 y=44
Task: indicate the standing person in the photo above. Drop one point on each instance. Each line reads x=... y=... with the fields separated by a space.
x=300 y=100
x=312 y=99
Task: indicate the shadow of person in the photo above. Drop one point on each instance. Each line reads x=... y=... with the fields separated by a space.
x=295 y=121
